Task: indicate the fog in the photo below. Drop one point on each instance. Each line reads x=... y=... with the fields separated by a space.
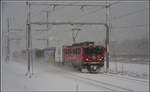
x=129 y=22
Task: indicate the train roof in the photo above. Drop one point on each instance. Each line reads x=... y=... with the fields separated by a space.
x=83 y=44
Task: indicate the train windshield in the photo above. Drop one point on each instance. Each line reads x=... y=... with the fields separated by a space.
x=93 y=50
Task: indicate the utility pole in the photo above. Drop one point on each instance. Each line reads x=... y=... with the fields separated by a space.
x=47 y=18
x=8 y=47
x=47 y=14
x=107 y=35
x=28 y=35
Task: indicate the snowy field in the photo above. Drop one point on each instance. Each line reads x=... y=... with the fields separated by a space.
x=55 y=77
x=130 y=69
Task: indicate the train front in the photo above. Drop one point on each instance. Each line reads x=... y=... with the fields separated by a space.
x=93 y=57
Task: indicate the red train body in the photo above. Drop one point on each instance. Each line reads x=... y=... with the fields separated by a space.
x=85 y=55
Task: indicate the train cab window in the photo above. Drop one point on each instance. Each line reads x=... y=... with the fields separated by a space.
x=94 y=50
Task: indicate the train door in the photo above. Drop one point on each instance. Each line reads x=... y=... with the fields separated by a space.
x=58 y=54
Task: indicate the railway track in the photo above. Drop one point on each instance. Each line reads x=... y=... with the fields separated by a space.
x=69 y=72
x=121 y=77
x=126 y=78
x=97 y=83
x=108 y=86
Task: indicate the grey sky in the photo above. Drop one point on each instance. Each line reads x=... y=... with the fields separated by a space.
x=129 y=20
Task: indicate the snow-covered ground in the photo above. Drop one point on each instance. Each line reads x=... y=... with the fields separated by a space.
x=130 y=69
x=50 y=77
x=14 y=79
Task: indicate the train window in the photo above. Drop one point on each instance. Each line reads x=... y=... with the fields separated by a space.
x=95 y=50
x=66 y=51
x=74 y=51
x=78 y=50
x=70 y=51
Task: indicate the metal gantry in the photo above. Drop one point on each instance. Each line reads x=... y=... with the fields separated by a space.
x=29 y=23
x=10 y=39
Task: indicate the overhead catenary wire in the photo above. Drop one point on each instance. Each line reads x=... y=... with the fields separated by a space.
x=74 y=35
x=70 y=4
x=56 y=10
x=47 y=16
x=85 y=14
x=63 y=4
x=114 y=18
x=129 y=14
x=132 y=26
x=117 y=18
x=16 y=29
x=95 y=11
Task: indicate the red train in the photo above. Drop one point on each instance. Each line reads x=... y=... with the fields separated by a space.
x=84 y=55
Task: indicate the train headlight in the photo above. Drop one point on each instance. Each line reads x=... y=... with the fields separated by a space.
x=100 y=59
x=87 y=59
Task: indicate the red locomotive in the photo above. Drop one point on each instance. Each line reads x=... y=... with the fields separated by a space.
x=84 y=55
